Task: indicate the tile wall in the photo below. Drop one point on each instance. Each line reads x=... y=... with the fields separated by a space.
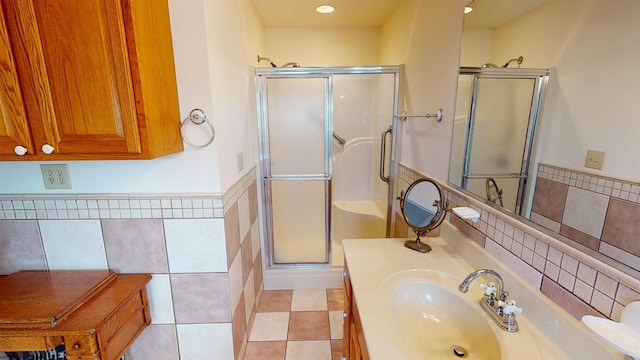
x=579 y=283
x=203 y=251
x=599 y=212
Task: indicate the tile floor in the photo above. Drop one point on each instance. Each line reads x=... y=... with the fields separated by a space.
x=297 y=325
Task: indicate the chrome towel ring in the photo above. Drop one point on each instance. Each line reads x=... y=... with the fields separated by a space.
x=197 y=117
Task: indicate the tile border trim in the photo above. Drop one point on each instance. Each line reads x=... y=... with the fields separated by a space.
x=123 y=205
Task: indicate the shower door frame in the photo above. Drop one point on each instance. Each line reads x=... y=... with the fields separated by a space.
x=261 y=78
x=541 y=81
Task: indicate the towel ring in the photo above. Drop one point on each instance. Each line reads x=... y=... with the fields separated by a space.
x=197 y=117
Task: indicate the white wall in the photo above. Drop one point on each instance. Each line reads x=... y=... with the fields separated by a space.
x=214 y=45
x=476 y=47
x=594 y=45
x=424 y=35
x=313 y=46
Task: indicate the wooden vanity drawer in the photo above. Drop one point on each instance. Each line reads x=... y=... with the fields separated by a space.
x=125 y=324
x=82 y=347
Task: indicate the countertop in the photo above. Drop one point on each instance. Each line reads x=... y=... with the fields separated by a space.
x=555 y=333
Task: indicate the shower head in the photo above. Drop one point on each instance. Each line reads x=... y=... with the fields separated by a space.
x=489 y=65
x=519 y=60
x=260 y=58
x=292 y=64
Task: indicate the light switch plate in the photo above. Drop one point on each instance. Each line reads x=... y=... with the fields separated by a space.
x=594 y=159
x=55 y=176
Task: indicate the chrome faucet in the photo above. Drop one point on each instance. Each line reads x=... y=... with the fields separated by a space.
x=494 y=302
x=499 y=286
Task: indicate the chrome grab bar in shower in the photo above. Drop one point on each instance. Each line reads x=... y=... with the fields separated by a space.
x=339 y=138
x=383 y=151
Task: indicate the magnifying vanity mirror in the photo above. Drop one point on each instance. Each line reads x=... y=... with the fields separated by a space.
x=423 y=209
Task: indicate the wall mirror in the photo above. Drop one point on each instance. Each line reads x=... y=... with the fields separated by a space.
x=423 y=208
x=592 y=48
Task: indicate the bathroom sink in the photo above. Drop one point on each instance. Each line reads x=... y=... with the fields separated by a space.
x=435 y=321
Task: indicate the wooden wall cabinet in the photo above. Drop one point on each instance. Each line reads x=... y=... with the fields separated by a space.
x=354 y=347
x=87 y=80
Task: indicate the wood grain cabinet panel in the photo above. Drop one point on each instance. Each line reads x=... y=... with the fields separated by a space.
x=354 y=346
x=96 y=79
x=14 y=129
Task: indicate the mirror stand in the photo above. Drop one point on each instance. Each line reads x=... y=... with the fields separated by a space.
x=417 y=245
x=423 y=208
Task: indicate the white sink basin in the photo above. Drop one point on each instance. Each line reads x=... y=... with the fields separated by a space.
x=426 y=312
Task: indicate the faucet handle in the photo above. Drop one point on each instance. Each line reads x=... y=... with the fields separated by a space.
x=509 y=307
x=489 y=289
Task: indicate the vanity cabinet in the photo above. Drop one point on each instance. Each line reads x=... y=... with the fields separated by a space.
x=87 y=80
x=354 y=347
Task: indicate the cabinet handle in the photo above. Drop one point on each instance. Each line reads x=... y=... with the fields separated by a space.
x=47 y=149
x=20 y=150
x=76 y=347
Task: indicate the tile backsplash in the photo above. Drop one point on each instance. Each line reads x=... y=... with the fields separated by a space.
x=203 y=251
x=599 y=212
x=579 y=283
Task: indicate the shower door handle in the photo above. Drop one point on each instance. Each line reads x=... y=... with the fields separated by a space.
x=383 y=151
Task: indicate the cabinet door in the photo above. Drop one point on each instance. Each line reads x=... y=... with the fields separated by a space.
x=14 y=130
x=74 y=67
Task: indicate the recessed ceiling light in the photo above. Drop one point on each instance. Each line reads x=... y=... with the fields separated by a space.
x=325 y=9
x=468 y=9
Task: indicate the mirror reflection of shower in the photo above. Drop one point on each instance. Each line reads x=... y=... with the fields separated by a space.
x=289 y=64
x=494 y=128
x=517 y=60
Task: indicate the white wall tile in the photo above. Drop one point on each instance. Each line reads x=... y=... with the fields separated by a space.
x=160 y=300
x=587 y=274
x=601 y=302
x=528 y=273
x=585 y=211
x=195 y=245
x=205 y=341
x=73 y=244
x=235 y=280
x=606 y=285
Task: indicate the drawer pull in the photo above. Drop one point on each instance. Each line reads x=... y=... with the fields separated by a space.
x=47 y=149
x=20 y=150
x=76 y=347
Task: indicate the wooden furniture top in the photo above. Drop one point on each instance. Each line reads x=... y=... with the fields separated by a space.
x=42 y=299
x=113 y=310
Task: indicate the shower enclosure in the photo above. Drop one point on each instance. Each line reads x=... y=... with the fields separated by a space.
x=320 y=155
x=496 y=114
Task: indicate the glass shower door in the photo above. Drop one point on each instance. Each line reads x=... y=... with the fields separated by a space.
x=499 y=137
x=298 y=167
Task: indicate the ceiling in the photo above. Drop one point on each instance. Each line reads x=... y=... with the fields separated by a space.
x=366 y=13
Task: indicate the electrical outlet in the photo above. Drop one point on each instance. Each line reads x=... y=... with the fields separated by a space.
x=594 y=159
x=55 y=176
x=240 y=161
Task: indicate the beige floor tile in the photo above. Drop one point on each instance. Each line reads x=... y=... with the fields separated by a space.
x=308 y=350
x=336 y=324
x=309 y=300
x=270 y=326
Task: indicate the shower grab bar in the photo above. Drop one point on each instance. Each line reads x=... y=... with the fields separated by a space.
x=383 y=151
x=495 y=176
x=438 y=115
x=339 y=138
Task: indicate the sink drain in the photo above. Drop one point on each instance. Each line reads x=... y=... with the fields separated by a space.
x=458 y=351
